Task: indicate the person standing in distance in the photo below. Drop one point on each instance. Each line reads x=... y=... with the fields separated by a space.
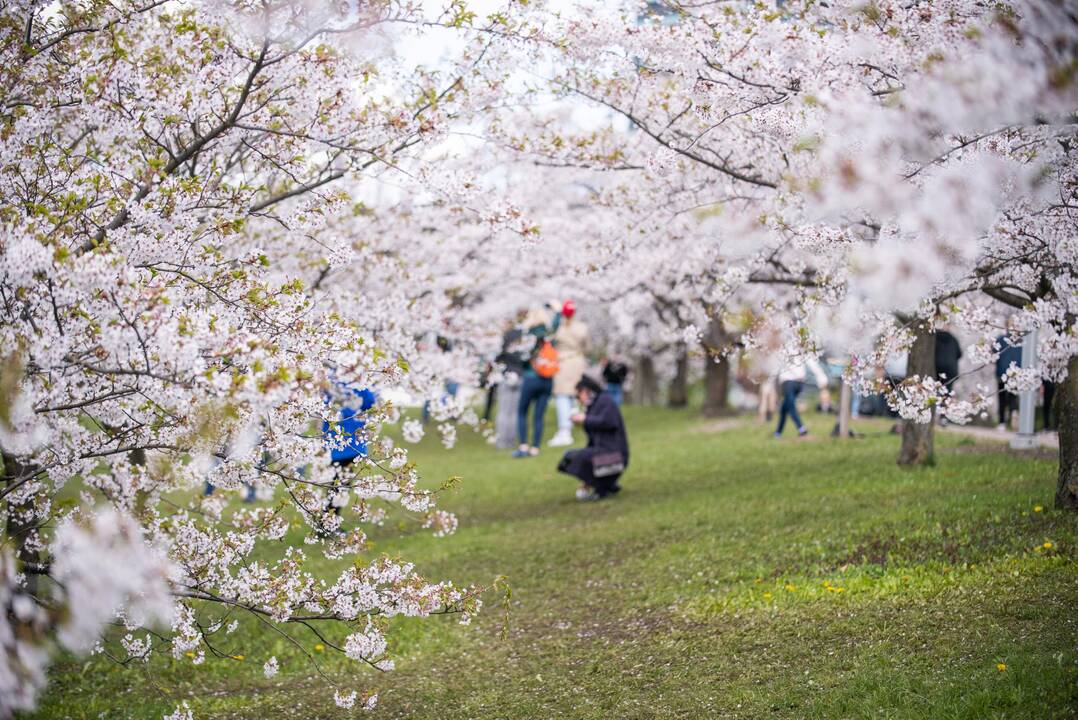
x=537 y=380
x=571 y=340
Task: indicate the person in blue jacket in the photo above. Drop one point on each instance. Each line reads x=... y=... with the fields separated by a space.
x=344 y=436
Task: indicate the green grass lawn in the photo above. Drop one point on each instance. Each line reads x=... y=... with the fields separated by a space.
x=736 y=576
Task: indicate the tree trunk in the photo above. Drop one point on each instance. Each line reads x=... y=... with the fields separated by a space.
x=678 y=395
x=716 y=370
x=918 y=439
x=1067 y=414
x=645 y=382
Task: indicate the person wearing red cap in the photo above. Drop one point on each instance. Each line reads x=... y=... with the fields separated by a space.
x=572 y=343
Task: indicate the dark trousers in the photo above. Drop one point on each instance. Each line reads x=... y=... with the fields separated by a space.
x=535 y=390
x=492 y=391
x=602 y=486
x=1049 y=396
x=947 y=375
x=337 y=465
x=1008 y=403
x=790 y=390
x=617 y=393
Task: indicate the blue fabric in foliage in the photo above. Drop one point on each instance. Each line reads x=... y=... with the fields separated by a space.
x=344 y=435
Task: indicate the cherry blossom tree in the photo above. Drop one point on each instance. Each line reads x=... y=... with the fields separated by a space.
x=216 y=213
x=188 y=269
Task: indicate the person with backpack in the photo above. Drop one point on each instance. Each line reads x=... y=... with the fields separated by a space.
x=537 y=380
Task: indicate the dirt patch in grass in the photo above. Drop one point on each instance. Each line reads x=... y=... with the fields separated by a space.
x=723 y=424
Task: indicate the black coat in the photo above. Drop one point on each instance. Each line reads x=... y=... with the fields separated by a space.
x=606 y=432
x=948 y=353
x=513 y=360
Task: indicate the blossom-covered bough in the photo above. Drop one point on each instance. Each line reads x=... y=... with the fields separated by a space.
x=187 y=270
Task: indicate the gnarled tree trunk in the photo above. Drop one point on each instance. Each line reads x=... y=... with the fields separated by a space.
x=645 y=382
x=716 y=370
x=678 y=392
x=918 y=439
x=1067 y=413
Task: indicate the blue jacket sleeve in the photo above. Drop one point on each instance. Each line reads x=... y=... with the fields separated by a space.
x=367 y=398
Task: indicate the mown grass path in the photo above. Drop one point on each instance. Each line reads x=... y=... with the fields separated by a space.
x=736 y=576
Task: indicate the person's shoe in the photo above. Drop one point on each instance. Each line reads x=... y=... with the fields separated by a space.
x=777 y=436
x=533 y=451
x=588 y=495
x=562 y=438
x=1001 y=427
x=802 y=432
x=519 y=453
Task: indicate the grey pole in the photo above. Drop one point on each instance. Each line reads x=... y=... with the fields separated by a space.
x=845 y=398
x=1027 y=401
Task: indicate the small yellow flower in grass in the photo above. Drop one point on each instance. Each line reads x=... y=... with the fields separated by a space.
x=319 y=647
x=790 y=587
x=237 y=657
x=1048 y=546
x=1037 y=508
x=767 y=596
x=189 y=654
x=1001 y=666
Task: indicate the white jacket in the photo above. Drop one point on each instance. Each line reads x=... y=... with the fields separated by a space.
x=800 y=371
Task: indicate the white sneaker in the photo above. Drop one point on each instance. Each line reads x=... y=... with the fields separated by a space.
x=586 y=495
x=562 y=438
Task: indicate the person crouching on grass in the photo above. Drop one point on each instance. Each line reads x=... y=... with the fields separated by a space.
x=601 y=463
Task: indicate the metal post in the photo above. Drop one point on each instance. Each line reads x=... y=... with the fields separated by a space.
x=1027 y=400
x=845 y=398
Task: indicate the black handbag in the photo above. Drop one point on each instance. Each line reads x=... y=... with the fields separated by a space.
x=605 y=464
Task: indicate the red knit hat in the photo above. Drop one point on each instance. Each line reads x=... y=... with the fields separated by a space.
x=568 y=309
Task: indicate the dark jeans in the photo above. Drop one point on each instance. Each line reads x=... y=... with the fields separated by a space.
x=790 y=390
x=616 y=392
x=1008 y=403
x=536 y=390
